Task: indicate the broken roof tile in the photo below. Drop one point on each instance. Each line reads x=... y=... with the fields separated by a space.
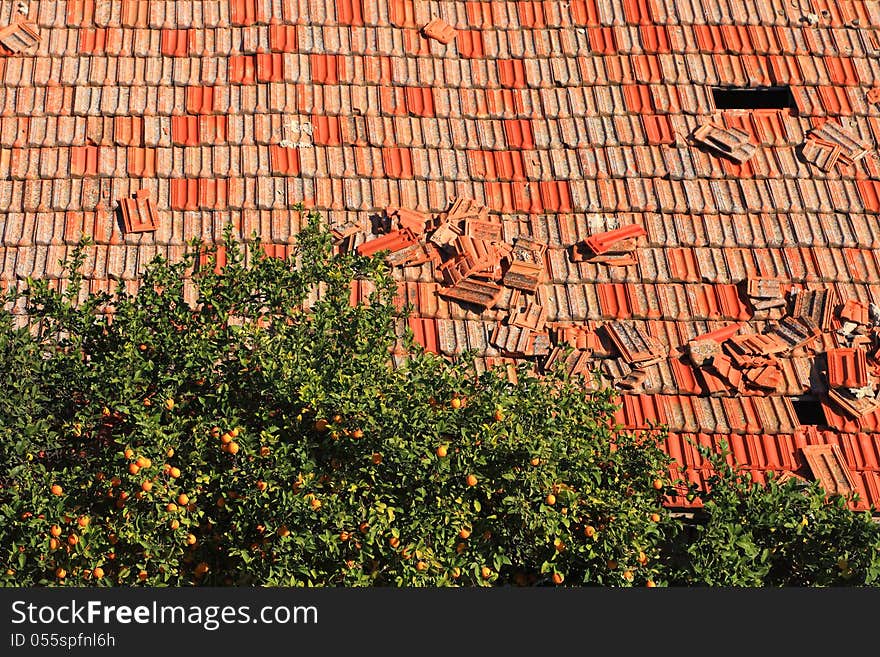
x=139 y=213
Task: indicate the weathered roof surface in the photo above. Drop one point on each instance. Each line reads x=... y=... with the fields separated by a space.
x=566 y=120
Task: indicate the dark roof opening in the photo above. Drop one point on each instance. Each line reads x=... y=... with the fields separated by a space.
x=750 y=98
x=809 y=412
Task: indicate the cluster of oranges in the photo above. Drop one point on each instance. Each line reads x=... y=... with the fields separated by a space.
x=227 y=439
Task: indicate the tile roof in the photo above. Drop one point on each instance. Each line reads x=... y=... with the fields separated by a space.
x=146 y=122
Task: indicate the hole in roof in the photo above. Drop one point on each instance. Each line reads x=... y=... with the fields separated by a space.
x=809 y=412
x=751 y=98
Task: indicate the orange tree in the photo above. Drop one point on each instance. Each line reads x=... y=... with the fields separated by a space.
x=260 y=436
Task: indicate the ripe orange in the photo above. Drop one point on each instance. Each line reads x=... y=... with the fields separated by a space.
x=486 y=572
x=190 y=539
x=83 y=521
x=169 y=452
x=115 y=481
x=628 y=575
x=55 y=489
x=442 y=451
x=464 y=533
x=175 y=524
x=455 y=403
x=232 y=448
x=471 y=480
x=134 y=468
x=235 y=431
x=643 y=558
x=321 y=425
x=174 y=473
x=169 y=404
x=183 y=499
x=558 y=544
x=655 y=517
x=147 y=402
x=558 y=578
x=535 y=461
x=171 y=507
x=377 y=458
x=550 y=499
x=650 y=584
x=98 y=572
x=315 y=504
x=55 y=530
x=394 y=541
x=128 y=453
x=264 y=451
x=53 y=543
x=141 y=461
x=262 y=485
x=421 y=566
x=499 y=415
x=658 y=484
x=456 y=572
x=73 y=539
x=146 y=485
x=215 y=432
x=344 y=536
x=357 y=433
x=201 y=569
x=60 y=573
x=226 y=438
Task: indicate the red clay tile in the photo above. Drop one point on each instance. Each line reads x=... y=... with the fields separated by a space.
x=142 y=162
x=419 y=101
x=242 y=69
x=327 y=69
x=584 y=12
x=531 y=14
x=655 y=39
x=440 y=30
x=658 y=129
x=84 y=161
x=283 y=38
x=397 y=162
x=270 y=67
x=212 y=129
x=426 y=333
x=184 y=194
x=128 y=130
x=602 y=40
x=326 y=130
x=638 y=12
x=284 y=161
x=518 y=134
x=511 y=73
x=177 y=43
x=243 y=12
x=402 y=13
x=135 y=13
x=200 y=100
x=92 y=41
x=350 y=12
x=139 y=213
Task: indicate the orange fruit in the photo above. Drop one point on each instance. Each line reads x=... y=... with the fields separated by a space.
x=315 y=504
x=357 y=433
x=73 y=539
x=421 y=566
x=283 y=531
x=232 y=448
x=558 y=544
x=464 y=533
x=55 y=530
x=226 y=438
x=471 y=480
x=128 y=453
x=456 y=572
x=60 y=573
x=321 y=425
x=215 y=432
x=655 y=517
x=612 y=564
x=201 y=569
x=650 y=584
x=535 y=461
x=141 y=461
x=53 y=543
x=628 y=575
x=115 y=481
x=486 y=572
x=643 y=558
x=262 y=485
x=442 y=451
x=190 y=539
x=344 y=536
x=658 y=484
x=147 y=486
x=394 y=541
x=183 y=499
x=169 y=404
x=83 y=521
x=174 y=473
x=377 y=458
x=499 y=415
x=558 y=578
x=264 y=451
x=455 y=403
x=134 y=468
x=235 y=431
x=169 y=452
x=589 y=531
x=98 y=572
x=550 y=499
x=171 y=507
x=175 y=524
x=55 y=489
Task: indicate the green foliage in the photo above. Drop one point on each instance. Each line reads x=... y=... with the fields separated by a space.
x=788 y=533
x=244 y=425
